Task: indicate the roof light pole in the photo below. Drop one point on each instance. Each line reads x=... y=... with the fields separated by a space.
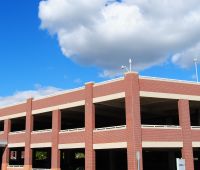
x=125 y=67
x=196 y=69
x=130 y=65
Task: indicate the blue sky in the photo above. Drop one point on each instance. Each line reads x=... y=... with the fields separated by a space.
x=30 y=56
x=32 y=59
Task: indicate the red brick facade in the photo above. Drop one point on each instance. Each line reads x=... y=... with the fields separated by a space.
x=133 y=135
x=184 y=116
x=89 y=126
x=133 y=120
x=29 y=128
x=56 y=126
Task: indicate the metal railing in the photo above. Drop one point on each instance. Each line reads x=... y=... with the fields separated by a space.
x=17 y=132
x=41 y=131
x=72 y=130
x=40 y=169
x=108 y=81
x=110 y=128
x=15 y=166
x=195 y=127
x=161 y=126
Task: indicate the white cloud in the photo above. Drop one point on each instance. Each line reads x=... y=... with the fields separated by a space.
x=111 y=73
x=21 y=96
x=186 y=57
x=78 y=81
x=149 y=31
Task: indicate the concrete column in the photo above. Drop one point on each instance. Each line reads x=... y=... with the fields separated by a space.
x=89 y=126
x=55 y=152
x=184 y=118
x=5 y=157
x=29 y=128
x=133 y=120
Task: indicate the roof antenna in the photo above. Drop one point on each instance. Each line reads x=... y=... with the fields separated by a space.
x=130 y=66
x=196 y=68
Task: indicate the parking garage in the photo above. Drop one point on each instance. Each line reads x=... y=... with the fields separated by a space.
x=1 y=155
x=1 y=126
x=41 y=158
x=73 y=118
x=160 y=158
x=158 y=111
x=195 y=113
x=111 y=159
x=110 y=113
x=18 y=124
x=42 y=121
x=16 y=156
x=72 y=159
x=196 y=155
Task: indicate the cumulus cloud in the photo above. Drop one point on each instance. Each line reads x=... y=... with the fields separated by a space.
x=107 y=34
x=21 y=96
x=187 y=56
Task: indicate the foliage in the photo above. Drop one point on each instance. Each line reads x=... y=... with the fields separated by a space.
x=41 y=155
x=79 y=155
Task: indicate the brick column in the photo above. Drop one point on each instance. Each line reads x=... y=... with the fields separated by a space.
x=5 y=157
x=184 y=119
x=89 y=126
x=29 y=128
x=133 y=120
x=55 y=152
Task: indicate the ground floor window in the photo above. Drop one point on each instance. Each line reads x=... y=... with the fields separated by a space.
x=72 y=159
x=111 y=159
x=196 y=154
x=160 y=158
x=16 y=156
x=41 y=158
